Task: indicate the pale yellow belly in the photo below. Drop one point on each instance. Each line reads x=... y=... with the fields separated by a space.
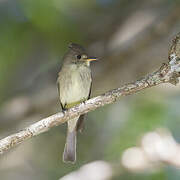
x=76 y=87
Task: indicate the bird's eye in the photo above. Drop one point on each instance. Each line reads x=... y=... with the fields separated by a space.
x=78 y=56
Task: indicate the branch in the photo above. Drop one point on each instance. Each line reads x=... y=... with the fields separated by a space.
x=167 y=73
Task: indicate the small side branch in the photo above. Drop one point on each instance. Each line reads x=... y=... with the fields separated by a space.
x=167 y=73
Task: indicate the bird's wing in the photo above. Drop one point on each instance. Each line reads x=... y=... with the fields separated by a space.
x=90 y=90
x=58 y=85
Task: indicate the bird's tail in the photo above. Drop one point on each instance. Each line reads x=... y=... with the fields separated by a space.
x=70 y=146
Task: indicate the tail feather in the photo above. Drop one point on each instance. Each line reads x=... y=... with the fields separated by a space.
x=70 y=147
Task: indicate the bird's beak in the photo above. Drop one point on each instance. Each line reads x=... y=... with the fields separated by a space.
x=91 y=59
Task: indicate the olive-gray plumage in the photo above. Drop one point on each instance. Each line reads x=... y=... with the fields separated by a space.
x=74 y=84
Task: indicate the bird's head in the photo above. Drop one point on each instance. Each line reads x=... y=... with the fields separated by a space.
x=77 y=55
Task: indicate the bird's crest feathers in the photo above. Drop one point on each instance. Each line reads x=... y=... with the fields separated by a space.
x=76 y=47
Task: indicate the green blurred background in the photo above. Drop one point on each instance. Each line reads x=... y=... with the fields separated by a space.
x=131 y=38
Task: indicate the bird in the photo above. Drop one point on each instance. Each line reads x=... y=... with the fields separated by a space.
x=74 y=87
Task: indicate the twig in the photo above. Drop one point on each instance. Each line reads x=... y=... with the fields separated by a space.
x=168 y=73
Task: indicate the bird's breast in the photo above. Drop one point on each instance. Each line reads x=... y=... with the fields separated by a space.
x=75 y=85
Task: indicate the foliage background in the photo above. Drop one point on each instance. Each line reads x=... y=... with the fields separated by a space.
x=131 y=37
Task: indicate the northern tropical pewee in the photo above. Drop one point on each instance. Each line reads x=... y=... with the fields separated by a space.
x=74 y=85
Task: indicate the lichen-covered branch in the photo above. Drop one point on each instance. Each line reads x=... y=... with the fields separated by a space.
x=167 y=73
